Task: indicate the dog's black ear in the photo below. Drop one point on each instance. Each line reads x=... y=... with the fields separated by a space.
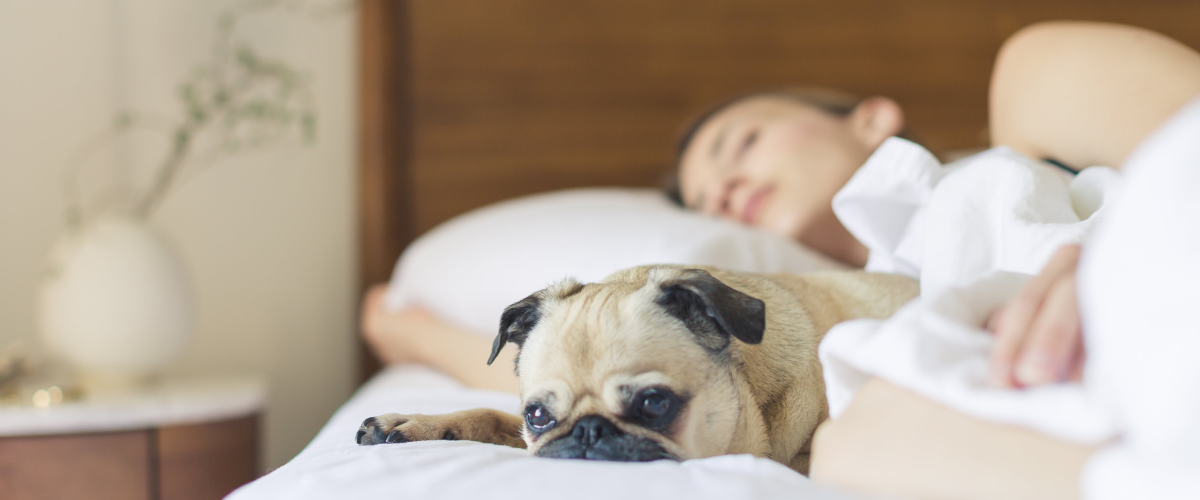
x=713 y=310
x=515 y=323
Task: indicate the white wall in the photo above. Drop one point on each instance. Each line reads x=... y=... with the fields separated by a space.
x=268 y=237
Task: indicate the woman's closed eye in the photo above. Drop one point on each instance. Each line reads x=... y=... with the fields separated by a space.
x=749 y=139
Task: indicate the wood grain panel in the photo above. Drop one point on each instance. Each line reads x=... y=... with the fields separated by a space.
x=468 y=102
x=105 y=466
x=207 y=461
x=384 y=194
x=519 y=96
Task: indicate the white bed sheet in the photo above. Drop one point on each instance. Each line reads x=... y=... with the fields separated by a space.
x=333 y=466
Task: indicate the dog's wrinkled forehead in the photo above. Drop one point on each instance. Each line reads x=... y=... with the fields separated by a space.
x=589 y=321
x=641 y=308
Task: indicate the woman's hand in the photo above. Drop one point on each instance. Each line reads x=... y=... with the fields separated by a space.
x=394 y=335
x=1038 y=335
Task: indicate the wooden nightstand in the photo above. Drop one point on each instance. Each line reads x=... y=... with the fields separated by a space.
x=176 y=441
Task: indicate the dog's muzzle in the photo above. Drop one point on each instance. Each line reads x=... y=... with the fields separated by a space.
x=596 y=438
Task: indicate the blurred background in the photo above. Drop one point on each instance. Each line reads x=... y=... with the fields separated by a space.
x=267 y=235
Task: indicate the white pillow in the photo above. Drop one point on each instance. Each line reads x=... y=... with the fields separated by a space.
x=467 y=270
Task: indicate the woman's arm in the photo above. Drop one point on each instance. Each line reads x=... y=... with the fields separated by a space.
x=892 y=442
x=416 y=336
x=1087 y=93
x=1082 y=93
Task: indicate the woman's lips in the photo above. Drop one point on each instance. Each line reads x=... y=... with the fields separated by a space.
x=754 y=205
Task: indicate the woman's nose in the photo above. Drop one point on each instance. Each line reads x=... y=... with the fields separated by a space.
x=721 y=194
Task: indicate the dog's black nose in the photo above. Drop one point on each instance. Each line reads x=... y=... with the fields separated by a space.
x=590 y=429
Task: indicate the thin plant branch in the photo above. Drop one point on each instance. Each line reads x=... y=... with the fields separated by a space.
x=239 y=99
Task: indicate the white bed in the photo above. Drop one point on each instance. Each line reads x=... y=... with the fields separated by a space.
x=506 y=251
x=333 y=466
x=464 y=103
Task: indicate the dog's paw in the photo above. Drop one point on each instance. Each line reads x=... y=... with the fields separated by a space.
x=397 y=428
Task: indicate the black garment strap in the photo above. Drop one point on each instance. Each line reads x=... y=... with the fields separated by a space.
x=1061 y=165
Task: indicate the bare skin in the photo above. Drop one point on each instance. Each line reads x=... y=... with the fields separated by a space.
x=1082 y=93
x=416 y=336
x=1085 y=94
x=775 y=163
x=893 y=443
x=1047 y=101
x=1039 y=339
x=742 y=150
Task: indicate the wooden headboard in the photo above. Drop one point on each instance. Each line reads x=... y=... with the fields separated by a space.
x=467 y=102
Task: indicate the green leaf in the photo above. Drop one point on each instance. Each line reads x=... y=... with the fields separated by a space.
x=247 y=58
x=123 y=120
x=308 y=128
x=182 y=136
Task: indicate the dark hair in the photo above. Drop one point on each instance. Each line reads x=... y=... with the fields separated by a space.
x=831 y=101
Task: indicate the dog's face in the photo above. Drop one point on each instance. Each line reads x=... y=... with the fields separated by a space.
x=636 y=368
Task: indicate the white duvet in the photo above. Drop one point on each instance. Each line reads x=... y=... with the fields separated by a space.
x=971 y=230
x=334 y=467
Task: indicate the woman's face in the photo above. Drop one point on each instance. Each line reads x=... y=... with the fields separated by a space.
x=775 y=162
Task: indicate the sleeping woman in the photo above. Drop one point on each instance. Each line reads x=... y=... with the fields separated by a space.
x=1079 y=94
x=806 y=142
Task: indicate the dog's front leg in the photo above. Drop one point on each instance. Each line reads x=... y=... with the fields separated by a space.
x=482 y=424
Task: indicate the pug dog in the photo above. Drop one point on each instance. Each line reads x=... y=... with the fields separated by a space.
x=666 y=362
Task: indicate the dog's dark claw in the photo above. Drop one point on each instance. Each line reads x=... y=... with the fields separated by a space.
x=380 y=430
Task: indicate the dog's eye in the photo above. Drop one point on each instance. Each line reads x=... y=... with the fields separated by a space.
x=654 y=408
x=538 y=418
x=654 y=405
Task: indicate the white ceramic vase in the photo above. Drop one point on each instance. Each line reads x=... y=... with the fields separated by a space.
x=116 y=302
